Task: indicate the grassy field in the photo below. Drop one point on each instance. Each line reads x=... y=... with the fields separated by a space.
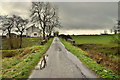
x=27 y=42
x=19 y=63
x=105 y=44
x=99 y=69
x=96 y=39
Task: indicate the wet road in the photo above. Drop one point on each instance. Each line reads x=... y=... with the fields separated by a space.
x=62 y=64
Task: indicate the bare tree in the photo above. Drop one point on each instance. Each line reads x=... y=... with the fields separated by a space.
x=54 y=23
x=7 y=23
x=1 y=27
x=42 y=13
x=116 y=28
x=21 y=26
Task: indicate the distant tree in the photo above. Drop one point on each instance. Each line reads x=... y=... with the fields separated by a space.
x=42 y=14
x=116 y=28
x=105 y=32
x=20 y=24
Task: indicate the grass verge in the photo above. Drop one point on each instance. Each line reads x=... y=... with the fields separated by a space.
x=100 y=70
x=22 y=65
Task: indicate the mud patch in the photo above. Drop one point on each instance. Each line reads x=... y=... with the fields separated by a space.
x=59 y=49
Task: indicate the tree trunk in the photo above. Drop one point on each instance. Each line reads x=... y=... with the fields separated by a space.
x=21 y=40
x=10 y=40
x=50 y=34
x=115 y=32
x=2 y=33
x=43 y=34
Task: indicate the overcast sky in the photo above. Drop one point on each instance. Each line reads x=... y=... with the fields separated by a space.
x=75 y=17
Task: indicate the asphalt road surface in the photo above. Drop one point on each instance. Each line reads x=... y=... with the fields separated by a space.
x=62 y=64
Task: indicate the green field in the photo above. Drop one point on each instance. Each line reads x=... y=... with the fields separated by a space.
x=106 y=44
x=96 y=39
x=14 y=60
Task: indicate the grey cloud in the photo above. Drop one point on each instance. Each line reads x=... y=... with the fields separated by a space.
x=74 y=15
x=88 y=15
x=18 y=8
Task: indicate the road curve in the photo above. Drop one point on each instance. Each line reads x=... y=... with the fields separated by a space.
x=62 y=64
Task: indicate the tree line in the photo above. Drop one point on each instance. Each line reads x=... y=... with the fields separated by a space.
x=43 y=14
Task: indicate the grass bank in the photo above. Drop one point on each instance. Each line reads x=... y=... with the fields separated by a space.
x=101 y=71
x=21 y=65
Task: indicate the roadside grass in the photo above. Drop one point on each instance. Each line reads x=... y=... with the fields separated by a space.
x=101 y=71
x=27 y=42
x=21 y=65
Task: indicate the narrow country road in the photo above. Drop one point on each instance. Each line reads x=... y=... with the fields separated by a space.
x=62 y=64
